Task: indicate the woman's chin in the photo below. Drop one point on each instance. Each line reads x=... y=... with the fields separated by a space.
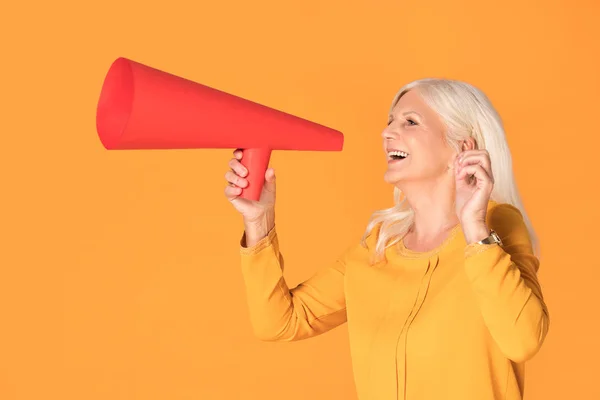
x=392 y=177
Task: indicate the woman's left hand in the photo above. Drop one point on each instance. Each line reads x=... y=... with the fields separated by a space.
x=474 y=183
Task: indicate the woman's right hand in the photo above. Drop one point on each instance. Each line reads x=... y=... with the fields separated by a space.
x=254 y=212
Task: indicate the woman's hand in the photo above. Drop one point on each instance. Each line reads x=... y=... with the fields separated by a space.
x=252 y=211
x=474 y=183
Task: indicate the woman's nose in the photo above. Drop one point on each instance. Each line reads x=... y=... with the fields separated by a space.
x=388 y=134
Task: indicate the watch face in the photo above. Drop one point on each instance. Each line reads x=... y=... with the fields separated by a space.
x=496 y=237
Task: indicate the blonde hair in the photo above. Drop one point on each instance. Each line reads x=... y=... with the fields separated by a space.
x=466 y=112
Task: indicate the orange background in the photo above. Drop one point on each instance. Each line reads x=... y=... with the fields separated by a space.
x=120 y=270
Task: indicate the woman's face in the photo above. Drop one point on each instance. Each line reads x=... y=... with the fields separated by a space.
x=417 y=130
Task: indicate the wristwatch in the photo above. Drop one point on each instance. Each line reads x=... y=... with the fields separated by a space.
x=493 y=238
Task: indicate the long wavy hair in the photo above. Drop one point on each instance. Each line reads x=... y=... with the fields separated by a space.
x=466 y=112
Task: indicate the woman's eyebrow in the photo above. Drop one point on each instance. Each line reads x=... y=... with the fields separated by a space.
x=391 y=116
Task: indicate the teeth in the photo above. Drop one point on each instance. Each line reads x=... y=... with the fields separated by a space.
x=398 y=153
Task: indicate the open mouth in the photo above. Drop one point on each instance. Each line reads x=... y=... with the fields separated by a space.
x=397 y=155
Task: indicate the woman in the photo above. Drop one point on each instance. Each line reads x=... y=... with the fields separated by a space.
x=441 y=294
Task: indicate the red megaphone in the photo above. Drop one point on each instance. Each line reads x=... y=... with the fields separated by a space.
x=143 y=108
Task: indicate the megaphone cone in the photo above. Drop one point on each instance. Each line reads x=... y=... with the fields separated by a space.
x=141 y=107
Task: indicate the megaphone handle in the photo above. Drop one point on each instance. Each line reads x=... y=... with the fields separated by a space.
x=256 y=161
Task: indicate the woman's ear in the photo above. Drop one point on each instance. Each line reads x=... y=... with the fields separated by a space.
x=469 y=144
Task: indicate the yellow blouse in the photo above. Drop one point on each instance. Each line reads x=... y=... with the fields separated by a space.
x=457 y=322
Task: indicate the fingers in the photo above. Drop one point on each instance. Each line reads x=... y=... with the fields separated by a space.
x=481 y=159
x=237 y=167
x=236 y=180
x=235 y=176
x=232 y=191
x=477 y=171
x=474 y=158
x=270 y=174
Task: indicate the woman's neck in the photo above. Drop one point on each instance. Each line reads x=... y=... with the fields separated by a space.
x=434 y=209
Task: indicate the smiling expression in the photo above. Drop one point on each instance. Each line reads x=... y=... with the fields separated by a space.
x=414 y=142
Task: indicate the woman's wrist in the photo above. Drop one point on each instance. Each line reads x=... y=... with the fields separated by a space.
x=256 y=230
x=475 y=232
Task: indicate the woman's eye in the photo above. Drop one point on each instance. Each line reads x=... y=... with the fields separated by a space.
x=411 y=122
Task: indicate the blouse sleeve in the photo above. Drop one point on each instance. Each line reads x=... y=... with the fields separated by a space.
x=278 y=313
x=504 y=280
